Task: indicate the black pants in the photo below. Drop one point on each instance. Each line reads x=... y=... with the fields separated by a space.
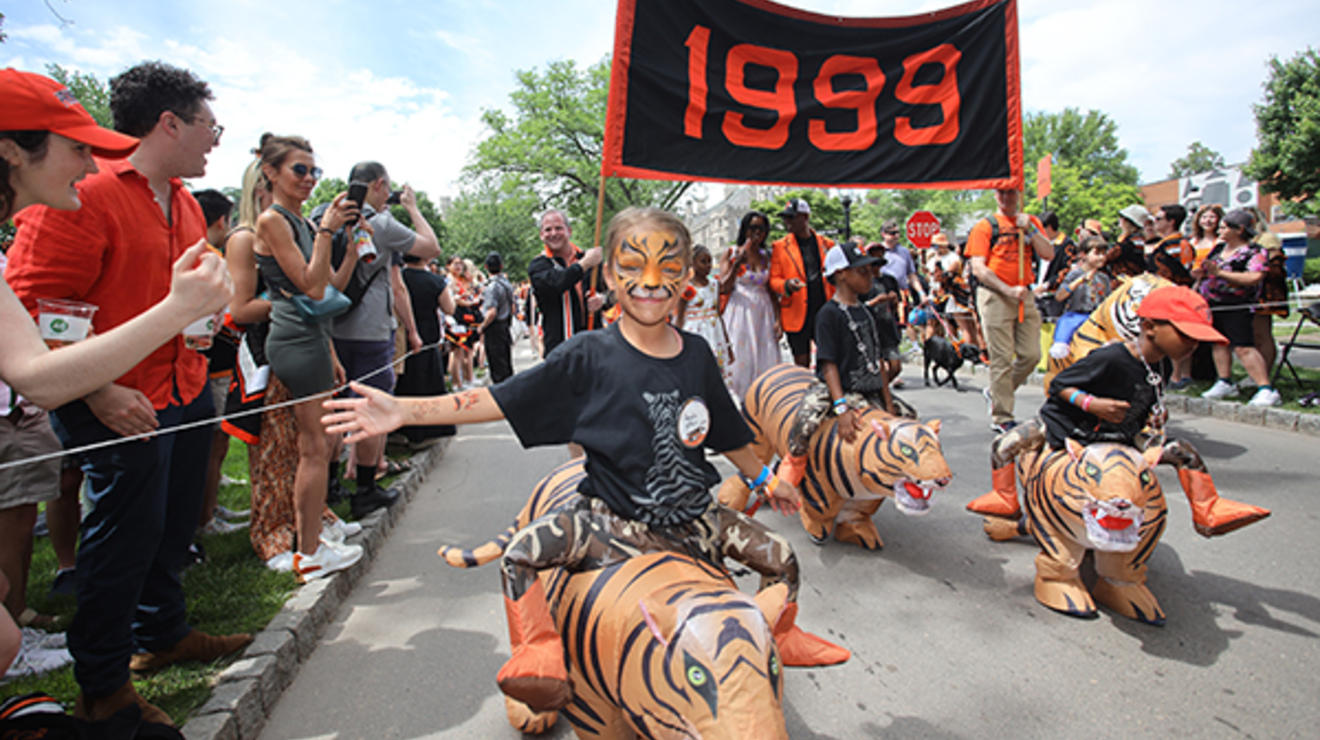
x=499 y=350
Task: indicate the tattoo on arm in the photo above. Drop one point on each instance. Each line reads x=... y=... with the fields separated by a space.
x=465 y=400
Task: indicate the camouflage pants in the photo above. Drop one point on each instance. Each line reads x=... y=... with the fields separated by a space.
x=586 y=534
x=816 y=405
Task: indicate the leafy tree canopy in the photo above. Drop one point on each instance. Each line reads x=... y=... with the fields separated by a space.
x=490 y=219
x=91 y=92
x=1287 y=160
x=1091 y=176
x=551 y=146
x=1199 y=158
x=328 y=188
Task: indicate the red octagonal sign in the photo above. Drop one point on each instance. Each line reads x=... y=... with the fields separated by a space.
x=921 y=226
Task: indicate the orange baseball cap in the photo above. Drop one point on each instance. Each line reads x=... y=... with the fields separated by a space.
x=35 y=102
x=1185 y=309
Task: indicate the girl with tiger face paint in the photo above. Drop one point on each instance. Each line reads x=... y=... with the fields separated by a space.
x=646 y=402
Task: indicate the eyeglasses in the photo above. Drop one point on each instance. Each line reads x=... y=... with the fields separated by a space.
x=302 y=170
x=216 y=129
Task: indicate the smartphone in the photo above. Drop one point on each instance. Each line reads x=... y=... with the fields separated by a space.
x=395 y=196
x=357 y=192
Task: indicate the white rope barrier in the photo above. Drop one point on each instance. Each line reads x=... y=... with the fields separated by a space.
x=209 y=421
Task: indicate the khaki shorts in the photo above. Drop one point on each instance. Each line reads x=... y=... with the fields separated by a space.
x=23 y=436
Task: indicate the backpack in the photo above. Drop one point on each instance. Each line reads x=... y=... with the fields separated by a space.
x=357 y=285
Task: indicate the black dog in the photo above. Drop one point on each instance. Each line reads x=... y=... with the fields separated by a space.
x=941 y=352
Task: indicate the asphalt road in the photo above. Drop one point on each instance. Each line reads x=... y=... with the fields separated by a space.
x=947 y=640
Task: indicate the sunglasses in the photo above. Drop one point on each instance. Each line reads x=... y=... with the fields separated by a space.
x=302 y=170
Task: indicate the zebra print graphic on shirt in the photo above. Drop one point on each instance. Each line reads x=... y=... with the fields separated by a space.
x=675 y=487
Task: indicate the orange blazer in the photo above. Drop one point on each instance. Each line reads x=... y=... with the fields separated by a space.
x=786 y=263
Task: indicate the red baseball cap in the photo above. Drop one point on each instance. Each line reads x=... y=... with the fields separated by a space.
x=1185 y=309
x=35 y=102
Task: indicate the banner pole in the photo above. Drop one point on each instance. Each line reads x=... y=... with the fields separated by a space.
x=1022 y=275
x=595 y=242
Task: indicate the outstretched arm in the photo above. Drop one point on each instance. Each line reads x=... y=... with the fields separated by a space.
x=377 y=412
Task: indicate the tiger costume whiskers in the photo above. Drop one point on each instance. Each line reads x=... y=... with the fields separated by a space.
x=1102 y=497
x=845 y=483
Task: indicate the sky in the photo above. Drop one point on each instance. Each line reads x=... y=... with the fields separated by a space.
x=405 y=83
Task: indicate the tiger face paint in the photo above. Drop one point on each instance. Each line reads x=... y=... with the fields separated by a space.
x=647 y=273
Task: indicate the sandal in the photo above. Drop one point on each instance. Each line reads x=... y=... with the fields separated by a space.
x=393 y=467
x=46 y=622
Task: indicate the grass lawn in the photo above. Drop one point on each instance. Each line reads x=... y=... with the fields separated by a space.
x=232 y=591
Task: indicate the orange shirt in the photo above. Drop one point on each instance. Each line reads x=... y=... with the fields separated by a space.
x=118 y=253
x=1002 y=256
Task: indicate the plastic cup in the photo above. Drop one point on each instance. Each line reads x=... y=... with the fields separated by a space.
x=64 y=322
x=200 y=334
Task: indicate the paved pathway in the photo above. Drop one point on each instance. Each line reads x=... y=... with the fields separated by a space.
x=947 y=639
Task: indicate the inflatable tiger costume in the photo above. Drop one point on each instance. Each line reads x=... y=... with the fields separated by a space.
x=845 y=483
x=659 y=644
x=1102 y=497
x=1115 y=319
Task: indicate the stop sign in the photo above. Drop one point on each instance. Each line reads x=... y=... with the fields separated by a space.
x=921 y=226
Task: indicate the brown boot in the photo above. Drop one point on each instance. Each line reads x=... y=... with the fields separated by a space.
x=99 y=710
x=196 y=645
x=1003 y=500
x=1211 y=514
x=535 y=674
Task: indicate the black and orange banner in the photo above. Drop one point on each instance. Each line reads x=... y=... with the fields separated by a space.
x=754 y=91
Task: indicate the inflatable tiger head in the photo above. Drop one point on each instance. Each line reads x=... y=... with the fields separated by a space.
x=1102 y=493
x=1115 y=318
x=663 y=646
x=902 y=456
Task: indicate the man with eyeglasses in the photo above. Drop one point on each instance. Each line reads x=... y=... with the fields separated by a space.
x=117 y=252
x=1171 y=256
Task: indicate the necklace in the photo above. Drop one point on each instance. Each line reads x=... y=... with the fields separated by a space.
x=871 y=359
x=1156 y=382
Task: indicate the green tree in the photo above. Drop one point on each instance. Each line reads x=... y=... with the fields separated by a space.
x=552 y=146
x=91 y=92
x=1199 y=158
x=1091 y=176
x=2 y=28
x=826 y=212
x=327 y=189
x=1287 y=161
x=488 y=219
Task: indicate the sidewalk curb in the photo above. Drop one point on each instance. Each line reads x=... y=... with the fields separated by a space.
x=245 y=692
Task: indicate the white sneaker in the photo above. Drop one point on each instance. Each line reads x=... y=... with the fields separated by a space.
x=220 y=526
x=229 y=514
x=280 y=562
x=1266 y=397
x=34 y=661
x=33 y=638
x=1221 y=389
x=326 y=560
x=227 y=481
x=339 y=531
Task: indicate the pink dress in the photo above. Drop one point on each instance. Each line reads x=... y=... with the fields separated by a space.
x=750 y=319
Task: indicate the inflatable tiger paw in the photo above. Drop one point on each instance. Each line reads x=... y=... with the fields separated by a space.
x=1104 y=498
x=845 y=482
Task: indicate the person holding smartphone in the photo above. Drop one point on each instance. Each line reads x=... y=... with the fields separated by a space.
x=364 y=337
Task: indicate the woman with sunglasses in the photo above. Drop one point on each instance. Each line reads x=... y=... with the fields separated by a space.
x=1233 y=272
x=47 y=140
x=294 y=263
x=751 y=315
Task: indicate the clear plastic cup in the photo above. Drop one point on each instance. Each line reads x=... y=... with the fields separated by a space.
x=200 y=334
x=64 y=322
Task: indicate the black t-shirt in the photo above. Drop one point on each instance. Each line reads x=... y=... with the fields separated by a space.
x=811 y=266
x=1108 y=372
x=424 y=289
x=643 y=421
x=854 y=349
x=882 y=283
